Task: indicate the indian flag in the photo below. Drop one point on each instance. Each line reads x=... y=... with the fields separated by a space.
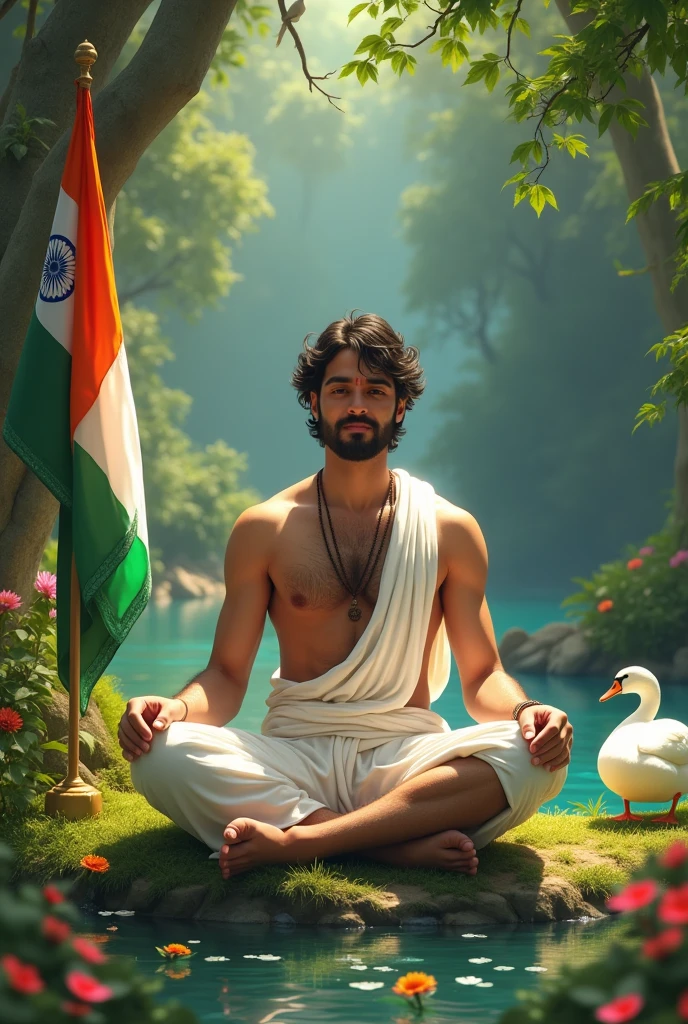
x=72 y=419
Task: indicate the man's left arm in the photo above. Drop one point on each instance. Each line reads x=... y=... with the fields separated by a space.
x=489 y=693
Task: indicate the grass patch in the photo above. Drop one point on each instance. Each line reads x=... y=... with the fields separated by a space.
x=111 y=704
x=595 y=854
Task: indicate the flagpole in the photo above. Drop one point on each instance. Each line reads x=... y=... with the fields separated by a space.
x=73 y=797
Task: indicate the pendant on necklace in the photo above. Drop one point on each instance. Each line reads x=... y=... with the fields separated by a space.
x=354 y=611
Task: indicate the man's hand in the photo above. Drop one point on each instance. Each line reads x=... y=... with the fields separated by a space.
x=549 y=735
x=145 y=716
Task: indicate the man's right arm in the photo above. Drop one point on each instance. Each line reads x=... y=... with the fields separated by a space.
x=215 y=695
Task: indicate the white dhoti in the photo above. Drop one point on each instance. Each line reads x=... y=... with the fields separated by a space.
x=347 y=737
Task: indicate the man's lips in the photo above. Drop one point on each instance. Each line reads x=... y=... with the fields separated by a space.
x=357 y=426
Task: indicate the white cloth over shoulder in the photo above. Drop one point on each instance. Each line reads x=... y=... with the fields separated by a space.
x=364 y=697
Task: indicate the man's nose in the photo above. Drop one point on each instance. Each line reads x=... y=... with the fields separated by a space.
x=357 y=403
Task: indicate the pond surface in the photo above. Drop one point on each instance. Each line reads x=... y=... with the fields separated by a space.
x=170 y=644
x=310 y=973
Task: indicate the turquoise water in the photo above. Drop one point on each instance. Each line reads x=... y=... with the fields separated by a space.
x=311 y=979
x=170 y=644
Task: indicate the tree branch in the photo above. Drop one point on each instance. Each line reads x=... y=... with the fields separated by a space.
x=30 y=23
x=154 y=282
x=6 y=7
x=311 y=79
x=432 y=29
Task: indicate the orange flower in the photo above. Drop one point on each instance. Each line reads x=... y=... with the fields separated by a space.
x=415 y=983
x=94 y=863
x=605 y=606
x=179 y=972
x=176 y=949
x=634 y=563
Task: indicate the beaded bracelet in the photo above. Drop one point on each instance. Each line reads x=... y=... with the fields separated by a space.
x=520 y=707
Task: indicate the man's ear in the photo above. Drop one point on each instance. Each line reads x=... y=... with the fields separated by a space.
x=314 y=405
x=401 y=410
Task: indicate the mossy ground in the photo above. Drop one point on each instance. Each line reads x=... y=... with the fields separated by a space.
x=594 y=853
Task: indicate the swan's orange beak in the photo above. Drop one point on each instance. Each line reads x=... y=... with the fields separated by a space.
x=615 y=688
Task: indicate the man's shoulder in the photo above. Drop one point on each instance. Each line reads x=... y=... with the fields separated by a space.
x=453 y=516
x=458 y=531
x=271 y=514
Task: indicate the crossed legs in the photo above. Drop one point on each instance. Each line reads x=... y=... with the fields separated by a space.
x=410 y=825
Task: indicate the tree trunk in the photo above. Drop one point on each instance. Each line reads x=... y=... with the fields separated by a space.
x=651 y=157
x=165 y=73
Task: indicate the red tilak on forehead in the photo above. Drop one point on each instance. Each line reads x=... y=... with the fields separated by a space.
x=358 y=380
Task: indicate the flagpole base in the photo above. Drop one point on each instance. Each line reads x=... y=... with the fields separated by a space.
x=75 y=800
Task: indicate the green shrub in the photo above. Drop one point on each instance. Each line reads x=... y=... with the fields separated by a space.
x=48 y=973
x=642 y=973
x=597 y=881
x=638 y=612
x=28 y=673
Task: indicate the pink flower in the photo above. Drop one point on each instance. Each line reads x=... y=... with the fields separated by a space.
x=54 y=929
x=52 y=614
x=682 y=1005
x=46 y=584
x=675 y=855
x=659 y=946
x=88 y=988
x=9 y=601
x=22 y=977
x=634 y=563
x=680 y=556
x=674 y=906
x=635 y=896
x=646 y=551
x=88 y=951
x=621 y=1009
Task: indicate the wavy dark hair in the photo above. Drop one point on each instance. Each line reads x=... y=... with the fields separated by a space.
x=380 y=347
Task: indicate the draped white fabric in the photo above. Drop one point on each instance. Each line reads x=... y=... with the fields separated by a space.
x=364 y=697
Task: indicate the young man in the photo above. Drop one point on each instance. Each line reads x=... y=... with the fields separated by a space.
x=368 y=577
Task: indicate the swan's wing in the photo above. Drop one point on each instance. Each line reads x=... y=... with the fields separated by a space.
x=665 y=738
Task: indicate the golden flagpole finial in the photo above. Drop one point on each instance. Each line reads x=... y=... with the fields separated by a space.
x=85 y=55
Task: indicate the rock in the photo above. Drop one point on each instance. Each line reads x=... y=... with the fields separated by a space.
x=139 y=897
x=511 y=641
x=418 y=923
x=466 y=917
x=680 y=665
x=554 y=900
x=234 y=911
x=533 y=654
x=56 y=718
x=185 y=584
x=181 y=902
x=489 y=905
x=571 y=656
x=283 y=920
x=162 y=592
x=342 y=919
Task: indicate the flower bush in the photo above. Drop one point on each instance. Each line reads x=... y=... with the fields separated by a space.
x=641 y=976
x=48 y=973
x=28 y=671
x=637 y=606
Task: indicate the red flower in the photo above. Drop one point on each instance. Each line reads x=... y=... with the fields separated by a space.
x=75 y=1009
x=674 y=906
x=95 y=863
x=55 y=930
x=10 y=720
x=682 y=1005
x=23 y=978
x=88 y=951
x=675 y=855
x=88 y=988
x=9 y=601
x=634 y=563
x=52 y=894
x=663 y=944
x=621 y=1009
x=635 y=896
x=605 y=606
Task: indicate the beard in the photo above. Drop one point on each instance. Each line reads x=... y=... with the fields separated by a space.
x=356 y=447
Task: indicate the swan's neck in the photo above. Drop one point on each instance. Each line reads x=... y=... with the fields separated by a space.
x=647 y=709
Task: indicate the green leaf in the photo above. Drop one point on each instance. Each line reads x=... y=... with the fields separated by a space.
x=18 y=150
x=492 y=77
x=521 y=192
x=22 y=693
x=539 y=195
x=55 y=745
x=349 y=68
x=605 y=118
x=354 y=13
x=517 y=177
x=88 y=740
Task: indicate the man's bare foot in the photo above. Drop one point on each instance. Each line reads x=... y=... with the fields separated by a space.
x=449 y=851
x=250 y=843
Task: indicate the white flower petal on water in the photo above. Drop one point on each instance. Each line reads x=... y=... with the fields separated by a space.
x=250 y=956
x=384 y=968
x=366 y=986
x=484 y=984
x=125 y=913
x=267 y=956
x=359 y=967
x=470 y=979
x=502 y=967
x=347 y=958
x=193 y=942
x=411 y=959
x=535 y=968
x=473 y=935
x=480 y=960
x=106 y=913
x=213 y=959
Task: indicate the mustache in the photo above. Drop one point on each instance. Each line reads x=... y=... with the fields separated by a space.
x=356 y=420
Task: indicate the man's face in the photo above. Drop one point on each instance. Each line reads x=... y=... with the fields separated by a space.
x=357 y=408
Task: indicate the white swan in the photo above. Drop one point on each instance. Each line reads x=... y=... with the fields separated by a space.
x=644 y=759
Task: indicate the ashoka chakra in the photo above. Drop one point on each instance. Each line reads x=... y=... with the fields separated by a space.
x=57 y=282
